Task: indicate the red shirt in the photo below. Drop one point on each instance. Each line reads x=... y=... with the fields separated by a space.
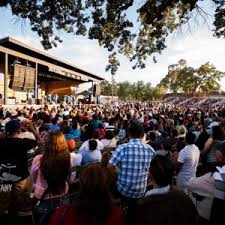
x=71 y=218
x=101 y=133
x=85 y=118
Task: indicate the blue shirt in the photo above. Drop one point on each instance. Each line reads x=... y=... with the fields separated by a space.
x=91 y=156
x=69 y=136
x=76 y=133
x=134 y=160
x=122 y=134
x=53 y=127
x=96 y=123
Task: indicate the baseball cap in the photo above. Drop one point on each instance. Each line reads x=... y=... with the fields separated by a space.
x=12 y=126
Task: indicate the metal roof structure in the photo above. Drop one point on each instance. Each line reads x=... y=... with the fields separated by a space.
x=18 y=49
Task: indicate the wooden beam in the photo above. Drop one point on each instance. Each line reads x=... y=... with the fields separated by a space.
x=6 y=79
x=49 y=65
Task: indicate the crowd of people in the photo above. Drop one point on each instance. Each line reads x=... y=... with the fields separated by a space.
x=124 y=163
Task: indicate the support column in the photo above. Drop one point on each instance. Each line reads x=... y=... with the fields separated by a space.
x=92 y=91
x=6 y=79
x=35 y=83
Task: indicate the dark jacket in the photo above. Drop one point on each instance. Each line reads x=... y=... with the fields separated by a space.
x=172 y=208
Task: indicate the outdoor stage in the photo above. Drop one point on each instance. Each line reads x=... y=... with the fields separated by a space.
x=27 y=73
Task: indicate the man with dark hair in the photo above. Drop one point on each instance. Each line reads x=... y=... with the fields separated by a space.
x=222 y=119
x=160 y=173
x=92 y=144
x=15 y=183
x=187 y=162
x=54 y=126
x=91 y=153
x=162 y=204
x=151 y=140
x=135 y=129
x=133 y=159
x=190 y=138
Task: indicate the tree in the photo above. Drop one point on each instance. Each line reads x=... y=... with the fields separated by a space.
x=182 y=78
x=147 y=92
x=107 y=22
x=176 y=78
x=124 y=90
x=134 y=91
x=207 y=78
x=138 y=90
x=106 y=88
x=158 y=92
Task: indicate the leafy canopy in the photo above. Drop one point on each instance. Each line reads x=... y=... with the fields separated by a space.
x=183 y=78
x=107 y=21
x=133 y=91
x=180 y=78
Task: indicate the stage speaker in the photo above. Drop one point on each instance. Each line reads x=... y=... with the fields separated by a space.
x=96 y=90
x=18 y=75
x=31 y=101
x=29 y=78
x=38 y=101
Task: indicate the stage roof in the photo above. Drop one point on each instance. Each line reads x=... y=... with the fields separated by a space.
x=18 y=49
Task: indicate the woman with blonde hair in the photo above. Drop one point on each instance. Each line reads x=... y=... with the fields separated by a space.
x=50 y=172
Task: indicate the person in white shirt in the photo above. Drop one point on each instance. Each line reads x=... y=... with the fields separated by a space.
x=85 y=146
x=91 y=154
x=187 y=163
x=109 y=141
x=6 y=120
x=25 y=133
x=75 y=160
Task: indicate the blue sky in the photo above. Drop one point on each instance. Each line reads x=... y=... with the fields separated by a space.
x=197 y=46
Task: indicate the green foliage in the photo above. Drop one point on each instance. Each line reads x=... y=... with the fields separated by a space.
x=107 y=22
x=207 y=77
x=106 y=88
x=182 y=78
x=219 y=21
x=124 y=90
x=135 y=91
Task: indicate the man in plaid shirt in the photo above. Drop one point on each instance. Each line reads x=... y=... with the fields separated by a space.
x=133 y=160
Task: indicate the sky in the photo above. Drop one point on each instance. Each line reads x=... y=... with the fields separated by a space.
x=196 y=45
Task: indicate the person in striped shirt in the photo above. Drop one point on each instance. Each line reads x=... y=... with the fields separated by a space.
x=187 y=162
